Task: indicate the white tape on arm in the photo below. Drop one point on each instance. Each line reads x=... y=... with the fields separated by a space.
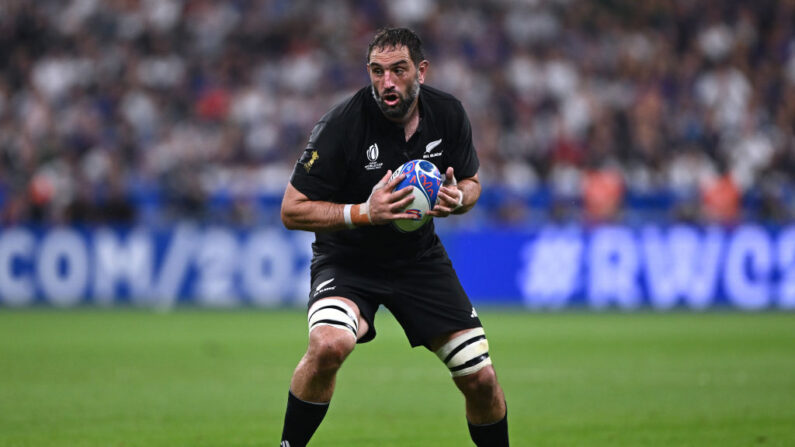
x=364 y=210
x=460 y=200
x=346 y=214
x=460 y=203
x=357 y=215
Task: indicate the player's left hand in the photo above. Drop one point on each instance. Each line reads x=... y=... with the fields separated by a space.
x=450 y=197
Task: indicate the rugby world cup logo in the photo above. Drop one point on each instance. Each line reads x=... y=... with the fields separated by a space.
x=372 y=152
x=372 y=157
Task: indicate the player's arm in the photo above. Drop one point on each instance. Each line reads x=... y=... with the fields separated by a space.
x=469 y=194
x=456 y=196
x=460 y=196
x=299 y=212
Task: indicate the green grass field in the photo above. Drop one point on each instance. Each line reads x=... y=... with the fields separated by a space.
x=204 y=378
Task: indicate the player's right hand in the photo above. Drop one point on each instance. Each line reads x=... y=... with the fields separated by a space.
x=385 y=204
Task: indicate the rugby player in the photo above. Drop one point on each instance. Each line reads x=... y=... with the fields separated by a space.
x=341 y=190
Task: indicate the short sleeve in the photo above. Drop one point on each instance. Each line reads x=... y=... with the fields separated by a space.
x=320 y=171
x=466 y=163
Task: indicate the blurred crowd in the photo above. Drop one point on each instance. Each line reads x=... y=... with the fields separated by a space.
x=147 y=111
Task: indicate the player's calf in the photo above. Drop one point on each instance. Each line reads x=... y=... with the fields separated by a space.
x=485 y=402
x=331 y=324
x=481 y=387
x=467 y=357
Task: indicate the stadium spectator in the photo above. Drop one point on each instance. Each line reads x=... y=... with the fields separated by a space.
x=232 y=88
x=721 y=198
x=603 y=194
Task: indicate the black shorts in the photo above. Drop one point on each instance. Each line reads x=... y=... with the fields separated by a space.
x=425 y=295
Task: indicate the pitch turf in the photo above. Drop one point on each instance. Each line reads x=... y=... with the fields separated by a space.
x=202 y=378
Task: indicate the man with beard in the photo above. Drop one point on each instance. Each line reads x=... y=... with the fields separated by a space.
x=341 y=190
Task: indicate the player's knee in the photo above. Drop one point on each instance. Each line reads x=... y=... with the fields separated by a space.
x=328 y=349
x=482 y=383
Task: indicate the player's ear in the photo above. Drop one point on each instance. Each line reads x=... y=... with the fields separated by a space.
x=422 y=68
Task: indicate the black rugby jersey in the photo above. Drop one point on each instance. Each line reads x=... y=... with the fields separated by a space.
x=351 y=148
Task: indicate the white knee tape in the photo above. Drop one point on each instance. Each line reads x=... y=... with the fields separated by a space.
x=466 y=354
x=331 y=312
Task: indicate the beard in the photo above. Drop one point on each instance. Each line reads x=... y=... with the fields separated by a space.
x=398 y=111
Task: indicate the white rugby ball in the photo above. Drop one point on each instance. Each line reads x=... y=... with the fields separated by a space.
x=425 y=180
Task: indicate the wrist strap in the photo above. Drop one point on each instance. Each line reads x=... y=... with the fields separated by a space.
x=360 y=214
x=346 y=214
x=357 y=215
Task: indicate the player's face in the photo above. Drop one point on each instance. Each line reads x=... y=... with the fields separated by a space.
x=396 y=81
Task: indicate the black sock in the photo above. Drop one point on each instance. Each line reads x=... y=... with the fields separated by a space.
x=490 y=435
x=301 y=420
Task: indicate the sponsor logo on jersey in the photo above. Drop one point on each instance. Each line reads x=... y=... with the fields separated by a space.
x=372 y=155
x=474 y=313
x=430 y=147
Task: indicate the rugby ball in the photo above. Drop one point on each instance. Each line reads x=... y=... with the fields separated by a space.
x=425 y=180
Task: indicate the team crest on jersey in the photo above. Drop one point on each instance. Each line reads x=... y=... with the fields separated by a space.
x=429 y=149
x=312 y=158
x=372 y=156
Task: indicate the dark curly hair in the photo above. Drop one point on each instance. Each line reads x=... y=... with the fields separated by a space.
x=397 y=37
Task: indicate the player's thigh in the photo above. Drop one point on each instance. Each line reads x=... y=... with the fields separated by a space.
x=430 y=303
x=466 y=355
x=441 y=340
x=344 y=312
x=353 y=287
x=335 y=316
